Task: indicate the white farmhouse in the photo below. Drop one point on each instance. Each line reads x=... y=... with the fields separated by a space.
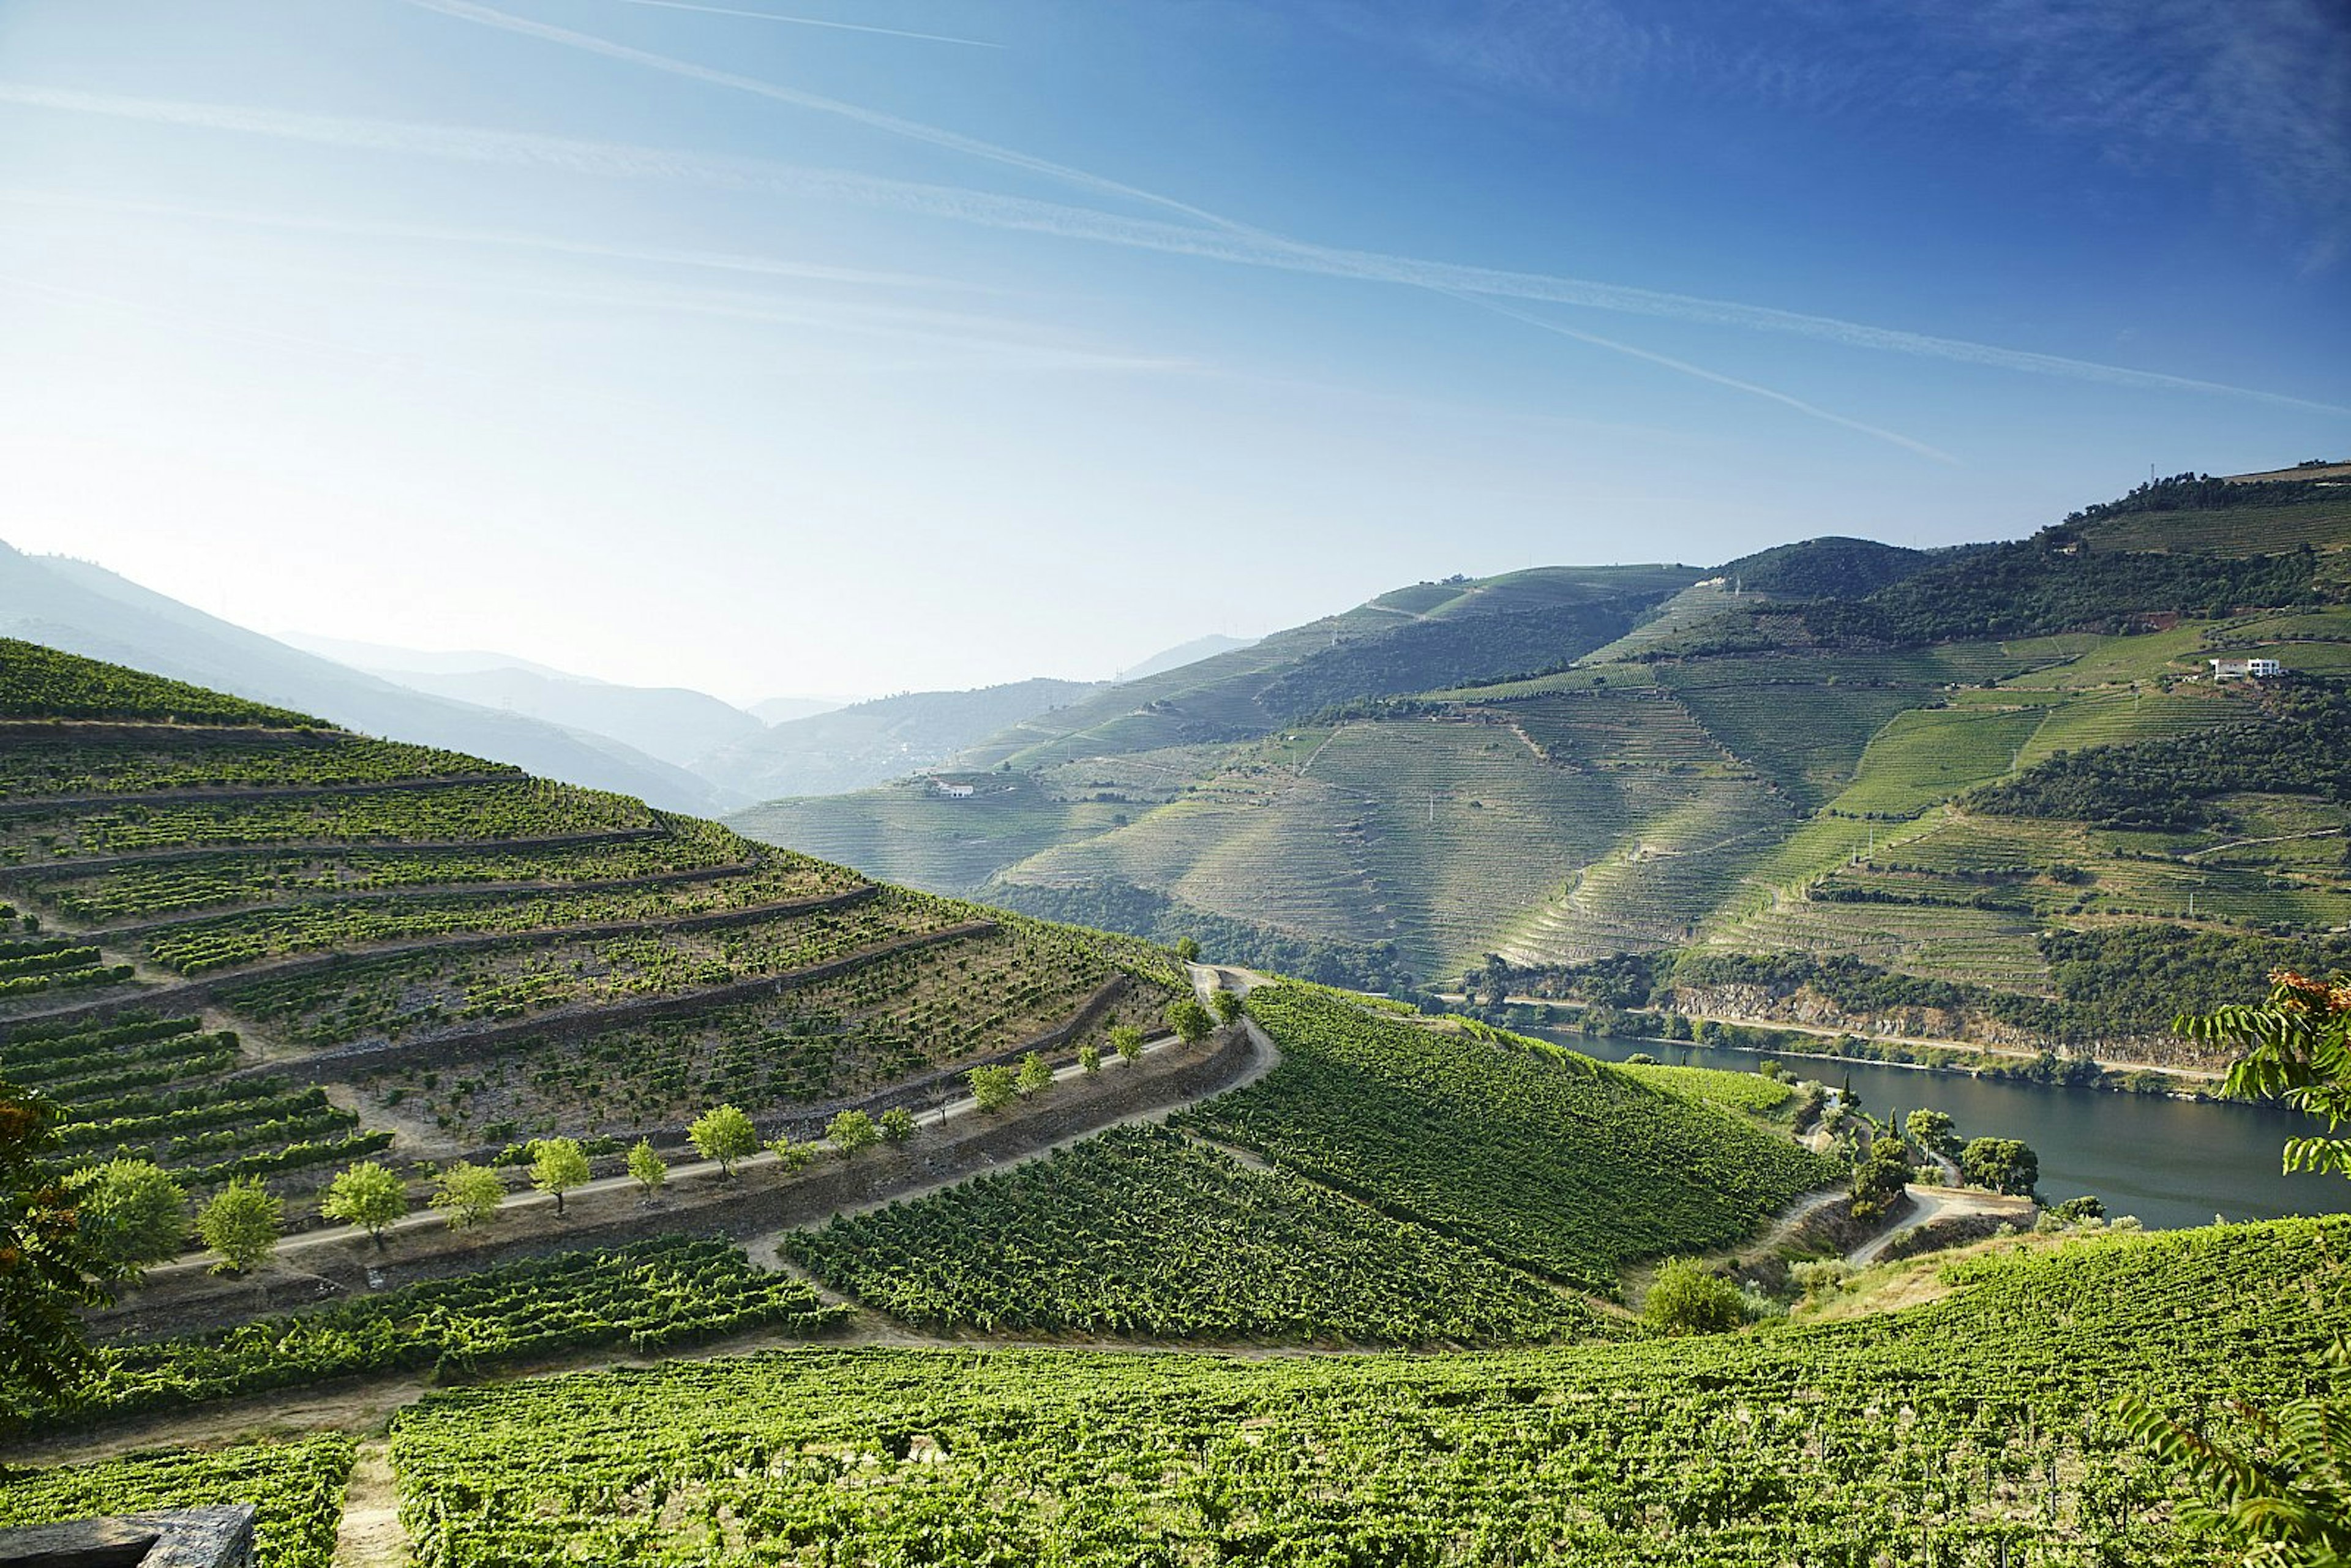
x=953 y=792
x=2253 y=669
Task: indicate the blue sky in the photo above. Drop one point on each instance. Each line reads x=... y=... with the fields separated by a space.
x=822 y=346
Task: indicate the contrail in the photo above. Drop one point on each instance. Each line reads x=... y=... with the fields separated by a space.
x=1028 y=216
x=815 y=22
x=915 y=129
x=718 y=261
x=1702 y=373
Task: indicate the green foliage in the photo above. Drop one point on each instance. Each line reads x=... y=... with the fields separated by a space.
x=1931 y=1130
x=1089 y=1058
x=1188 y=948
x=2003 y=1165
x=1881 y=1176
x=993 y=1087
x=42 y=683
x=2282 y=1498
x=898 y=1125
x=1127 y=1040
x=241 y=1223
x=1035 y=1076
x=665 y=1292
x=2296 y=742
x=1687 y=1297
x=1142 y=1232
x=1548 y=1160
x=1825 y=569
x=1192 y=1023
x=1226 y=1005
x=366 y=1194
x=468 y=1194
x=296 y=1488
x=2193 y=492
x=723 y=1133
x=556 y=1165
x=132 y=1211
x=851 y=1133
x=1971 y=1427
x=48 y=1268
x=794 y=1156
x=647 y=1168
x=2296 y=1047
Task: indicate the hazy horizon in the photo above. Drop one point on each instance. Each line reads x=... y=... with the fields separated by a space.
x=771 y=350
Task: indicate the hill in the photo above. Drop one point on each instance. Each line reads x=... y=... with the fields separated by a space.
x=83 y=608
x=1994 y=779
x=671 y=723
x=280 y=948
x=265 y=945
x=861 y=745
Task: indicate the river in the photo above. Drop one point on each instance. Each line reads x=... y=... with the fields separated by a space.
x=2173 y=1163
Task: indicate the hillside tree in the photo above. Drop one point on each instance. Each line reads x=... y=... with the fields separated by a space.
x=650 y=1170
x=468 y=1193
x=1686 y=1298
x=1932 y=1130
x=556 y=1165
x=992 y=1087
x=242 y=1224
x=2003 y=1165
x=1190 y=1020
x=898 y=1125
x=133 y=1212
x=723 y=1133
x=1035 y=1077
x=1127 y=1040
x=1227 y=1005
x=366 y=1194
x=851 y=1133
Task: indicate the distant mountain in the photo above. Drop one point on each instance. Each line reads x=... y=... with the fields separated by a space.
x=671 y=723
x=1430 y=634
x=872 y=742
x=1184 y=653
x=783 y=710
x=1999 y=784
x=87 y=610
x=396 y=664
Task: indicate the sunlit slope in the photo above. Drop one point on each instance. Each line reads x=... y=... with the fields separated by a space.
x=1411 y=640
x=240 y=909
x=1971 y=1426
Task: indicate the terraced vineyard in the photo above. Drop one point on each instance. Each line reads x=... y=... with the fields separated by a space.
x=243 y=913
x=1142 y=1232
x=668 y=1292
x=1972 y=1430
x=296 y=1487
x=1545 y=1159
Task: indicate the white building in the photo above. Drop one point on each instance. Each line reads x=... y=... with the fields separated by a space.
x=952 y=791
x=2256 y=669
